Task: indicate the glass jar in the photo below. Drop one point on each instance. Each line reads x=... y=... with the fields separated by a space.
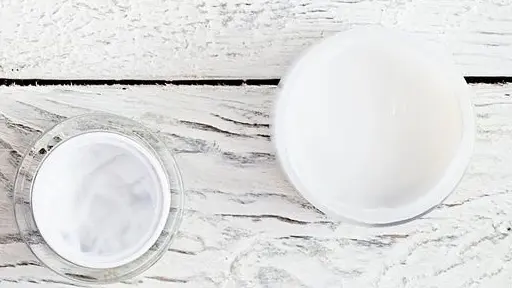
x=98 y=198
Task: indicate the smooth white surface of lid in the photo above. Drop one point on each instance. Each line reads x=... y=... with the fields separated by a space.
x=373 y=126
x=100 y=199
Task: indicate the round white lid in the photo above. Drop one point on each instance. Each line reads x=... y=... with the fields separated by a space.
x=373 y=126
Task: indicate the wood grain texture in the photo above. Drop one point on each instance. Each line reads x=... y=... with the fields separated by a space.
x=163 y=39
x=245 y=226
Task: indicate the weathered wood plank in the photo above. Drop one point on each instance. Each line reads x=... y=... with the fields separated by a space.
x=245 y=226
x=161 y=39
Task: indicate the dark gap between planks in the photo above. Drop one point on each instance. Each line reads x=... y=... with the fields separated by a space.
x=86 y=82
x=207 y=82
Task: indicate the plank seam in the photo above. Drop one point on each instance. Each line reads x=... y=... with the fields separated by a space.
x=195 y=82
x=128 y=82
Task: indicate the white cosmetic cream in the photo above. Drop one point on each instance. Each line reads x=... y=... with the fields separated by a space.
x=374 y=127
x=100 y=199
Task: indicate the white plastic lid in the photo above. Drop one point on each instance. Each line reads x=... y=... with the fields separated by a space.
x=374 y=127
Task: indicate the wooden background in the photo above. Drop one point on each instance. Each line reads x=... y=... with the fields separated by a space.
x=244 y=225
x=179 y=39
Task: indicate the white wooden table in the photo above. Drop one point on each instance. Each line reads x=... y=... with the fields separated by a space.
x=244 y=225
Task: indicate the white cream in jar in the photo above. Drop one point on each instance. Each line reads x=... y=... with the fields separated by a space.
x=374 y=126
x=100 y=199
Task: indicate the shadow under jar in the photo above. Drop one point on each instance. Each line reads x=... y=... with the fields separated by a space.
x=98 y=198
